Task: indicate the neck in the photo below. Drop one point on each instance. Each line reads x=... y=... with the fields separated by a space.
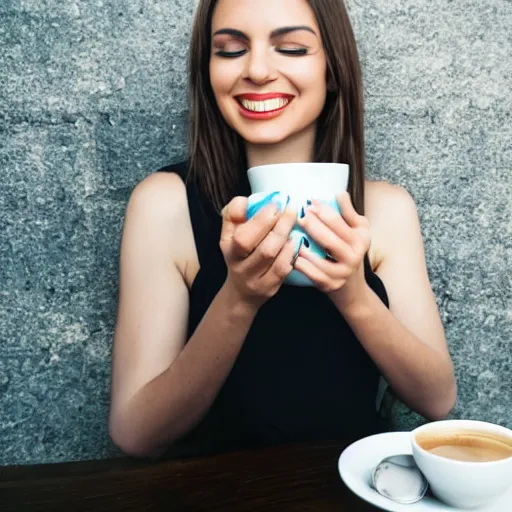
x=297 y=148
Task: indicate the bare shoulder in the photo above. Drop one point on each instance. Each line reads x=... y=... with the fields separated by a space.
x=383 y=198
x=392 y=214
x=156 y=246
x=159 y=196
x=158 y=211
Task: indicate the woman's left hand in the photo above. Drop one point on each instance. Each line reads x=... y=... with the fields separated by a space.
x=346 y=238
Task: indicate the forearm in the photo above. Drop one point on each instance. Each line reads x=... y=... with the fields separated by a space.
x=421 y=375
x=175 y=401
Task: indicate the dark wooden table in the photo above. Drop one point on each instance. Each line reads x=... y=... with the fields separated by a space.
x=286 y=478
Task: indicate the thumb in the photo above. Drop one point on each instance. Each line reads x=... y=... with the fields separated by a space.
x=349 y=214
x=233 y=213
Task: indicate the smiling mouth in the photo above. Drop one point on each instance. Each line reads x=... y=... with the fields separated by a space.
x=264 y=106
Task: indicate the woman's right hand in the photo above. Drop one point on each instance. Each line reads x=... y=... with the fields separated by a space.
x=258 y=252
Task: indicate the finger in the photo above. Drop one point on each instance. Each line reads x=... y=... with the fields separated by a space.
x=282 y=264
x=269 y=248
x=286 y=222
x=233 y=214
x=357 y=236
x=325 y=237
x=250 y=234
x=352 y=218
x=319 y=278
x=333 y=220
x=334 y=270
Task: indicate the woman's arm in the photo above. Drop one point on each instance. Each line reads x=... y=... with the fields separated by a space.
x=172 y=402
x=161 y=387
x=407 y=341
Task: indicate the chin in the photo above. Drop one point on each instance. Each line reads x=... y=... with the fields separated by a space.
x=264 y=140
x=264 y=135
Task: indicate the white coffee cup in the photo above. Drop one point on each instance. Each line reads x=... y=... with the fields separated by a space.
x=297 y=184
x=321 y=180
x=458 y=483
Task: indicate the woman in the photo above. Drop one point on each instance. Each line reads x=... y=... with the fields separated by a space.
x=204 y=344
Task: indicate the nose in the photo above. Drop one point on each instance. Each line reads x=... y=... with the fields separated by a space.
x=259 y=67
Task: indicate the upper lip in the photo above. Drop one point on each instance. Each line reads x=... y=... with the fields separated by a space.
x=263 y=97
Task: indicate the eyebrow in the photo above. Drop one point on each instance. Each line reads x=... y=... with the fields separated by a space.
x=275 y=33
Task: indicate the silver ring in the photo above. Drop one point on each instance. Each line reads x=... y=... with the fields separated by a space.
x=294 y=259
x=329 y=257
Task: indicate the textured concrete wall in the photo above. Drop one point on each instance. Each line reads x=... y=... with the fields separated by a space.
x=92 y=99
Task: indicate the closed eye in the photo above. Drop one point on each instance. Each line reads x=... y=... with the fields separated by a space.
x=231 y=55
x=293 y=51
x=284 y=51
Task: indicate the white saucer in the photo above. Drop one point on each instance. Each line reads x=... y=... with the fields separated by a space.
x=358 y=460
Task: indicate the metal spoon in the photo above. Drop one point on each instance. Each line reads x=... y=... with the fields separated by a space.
x=399 y=479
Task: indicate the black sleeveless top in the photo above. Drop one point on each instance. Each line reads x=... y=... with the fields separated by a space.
x=306 y=378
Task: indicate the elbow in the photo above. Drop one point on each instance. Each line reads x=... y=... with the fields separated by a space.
x=129 y=442
x=442 y=407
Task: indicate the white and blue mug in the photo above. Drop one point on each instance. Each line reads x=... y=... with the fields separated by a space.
x=297 y=184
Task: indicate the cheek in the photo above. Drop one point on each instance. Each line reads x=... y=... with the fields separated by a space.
x=308 y=78
x=223 y=77
x=215 y=79
x=222 y=85
x=313 y=89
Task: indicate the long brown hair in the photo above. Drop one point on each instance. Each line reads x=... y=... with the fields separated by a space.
x=216 y=151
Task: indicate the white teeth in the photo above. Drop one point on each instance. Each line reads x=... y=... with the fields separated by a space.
x=265 y=106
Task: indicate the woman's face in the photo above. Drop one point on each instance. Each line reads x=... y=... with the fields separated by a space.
x=267 y=68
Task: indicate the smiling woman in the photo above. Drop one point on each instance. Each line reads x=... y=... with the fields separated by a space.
x=210 y=348
x=242 y=62
x=305 y=50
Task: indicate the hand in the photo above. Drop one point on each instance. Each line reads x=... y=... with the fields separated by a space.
x=346 y=238
x=258 y=252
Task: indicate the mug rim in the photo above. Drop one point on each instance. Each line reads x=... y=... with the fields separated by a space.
x=300 y=164
x=482 y=426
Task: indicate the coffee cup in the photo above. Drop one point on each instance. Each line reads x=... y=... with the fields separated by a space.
x=468 y=464
x=296 y=185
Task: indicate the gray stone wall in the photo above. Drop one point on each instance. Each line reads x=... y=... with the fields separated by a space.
x=92 y=99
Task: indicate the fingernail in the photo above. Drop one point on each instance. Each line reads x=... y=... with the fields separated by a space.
x=281 y=202
x=273 y=208
x=302 y=213
x=306 y=243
